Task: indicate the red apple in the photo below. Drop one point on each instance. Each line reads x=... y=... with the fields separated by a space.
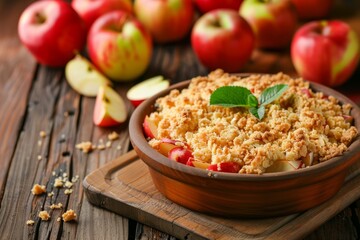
x=312 y=9
x=52 y=31
x=90 y=10
x=180 y=154
x=326 y=52
x=110 y=109
x=150 y=128
x=119 y=46
x=230 y=167
x=273 y=21
x=207 y=5
x=167 y=20
x=222 y=39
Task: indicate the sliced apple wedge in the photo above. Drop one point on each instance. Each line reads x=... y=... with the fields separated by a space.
x=198 y=164
x=110 y=109
x=145 y=89
x=285 y=166
x=83 y=77
x=180 y=154
x=150 y=128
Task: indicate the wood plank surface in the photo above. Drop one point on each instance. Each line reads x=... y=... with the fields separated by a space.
x=35 y=98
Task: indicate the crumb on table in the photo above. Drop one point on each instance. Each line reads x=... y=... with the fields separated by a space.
x=38 y=189
x=44 y=215
x=69 y=215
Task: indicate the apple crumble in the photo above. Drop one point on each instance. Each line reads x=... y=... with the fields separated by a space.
x=300 y=126
x=38 y=189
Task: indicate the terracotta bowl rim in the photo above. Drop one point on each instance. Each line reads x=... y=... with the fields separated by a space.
x=140 y=143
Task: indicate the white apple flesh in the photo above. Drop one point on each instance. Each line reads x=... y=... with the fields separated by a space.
x=83 y=76
x=285 y=166
x=146 y=89
x=110 y=109
x=150 y=127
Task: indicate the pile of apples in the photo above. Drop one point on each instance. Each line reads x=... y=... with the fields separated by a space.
x=118 y=37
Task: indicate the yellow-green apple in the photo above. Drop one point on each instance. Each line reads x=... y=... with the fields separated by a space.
x=198 y=164
x=222 y=39
x=180 y=154
x=167 y=20
x=326 y=52
x=150 y=127
x=90 y=10
x=52 y=31
x=83 y=76
x=119 y=46
x=230 y=167
x=208 y=5
x=110 y=109
x=145 y=89
x=273 y=21
x=285 y=166
x=312 y=9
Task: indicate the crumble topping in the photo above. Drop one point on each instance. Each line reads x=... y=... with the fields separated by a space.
x=30 y=222
x=86 y=147
x=56 y=206
x=298 y=124
x=113 y=136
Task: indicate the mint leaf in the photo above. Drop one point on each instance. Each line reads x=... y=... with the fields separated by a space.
x=252 y=100
x=272 y=93
x=232 y=96
x=258 y=112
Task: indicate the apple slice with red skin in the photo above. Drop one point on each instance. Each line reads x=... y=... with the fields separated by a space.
x=110 y=109
x=150 y=128
x=348 y=118
x=146 y=89
x=180 y=154
x=229 y=167
x=83 y=76
x=198 y=164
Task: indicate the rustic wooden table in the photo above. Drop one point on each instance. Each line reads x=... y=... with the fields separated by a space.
x=35 y=98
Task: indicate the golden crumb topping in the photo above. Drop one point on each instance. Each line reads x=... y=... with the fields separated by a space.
x=299 y=124
x=44 y=215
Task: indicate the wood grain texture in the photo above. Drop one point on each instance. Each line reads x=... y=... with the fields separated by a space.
x=124 y=186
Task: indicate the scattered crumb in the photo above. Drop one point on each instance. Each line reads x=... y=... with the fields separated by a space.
x=53 y=173
x=108 y=144
x=58 y=182
x=69 y=215
x=56 y=206
x=64 y=175
x=68 y=191
x=118 y=147
x=30 y=222
x=39 y=157
x=51 y=194
x=58 y=219
x=42 y=134
x=39 y=143
x=101 y=146
x=68 y=184
x=113 y=136
x=38 y=189
x=86 y=147
x=66 y=114
x=75 y=179
x=44 y=215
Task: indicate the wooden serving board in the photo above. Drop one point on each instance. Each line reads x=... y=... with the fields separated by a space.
x=124 y=186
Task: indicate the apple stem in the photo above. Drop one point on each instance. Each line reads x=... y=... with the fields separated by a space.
x=40 y=18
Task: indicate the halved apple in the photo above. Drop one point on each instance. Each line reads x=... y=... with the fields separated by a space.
x=145 y=89
x=285 y=166
x=110 y=109
x=83 y=76
x=150 y=128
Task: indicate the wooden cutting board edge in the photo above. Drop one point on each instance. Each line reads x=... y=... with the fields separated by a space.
x=306 y=222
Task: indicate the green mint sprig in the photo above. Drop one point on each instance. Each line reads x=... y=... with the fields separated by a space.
x=236 y=96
